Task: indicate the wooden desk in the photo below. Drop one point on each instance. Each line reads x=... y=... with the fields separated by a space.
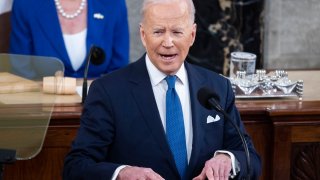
x=285 y=132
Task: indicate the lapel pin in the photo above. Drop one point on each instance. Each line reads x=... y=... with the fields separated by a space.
x=98 y=16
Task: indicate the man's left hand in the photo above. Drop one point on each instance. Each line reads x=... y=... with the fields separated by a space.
x=217 y=168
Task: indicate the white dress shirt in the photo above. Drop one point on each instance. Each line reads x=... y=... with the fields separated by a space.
x=159 y=87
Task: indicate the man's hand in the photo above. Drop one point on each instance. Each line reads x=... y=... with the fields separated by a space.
x=217 y=168
x=135 y=173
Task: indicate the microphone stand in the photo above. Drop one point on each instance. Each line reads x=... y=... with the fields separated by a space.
x=84 y=89
x=85 y=77
x=245 y=146
x=7 y=156
x=97 y=56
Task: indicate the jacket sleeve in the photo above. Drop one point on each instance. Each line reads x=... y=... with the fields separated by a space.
x=88 y=156
x=20 y=37
x=234 y=145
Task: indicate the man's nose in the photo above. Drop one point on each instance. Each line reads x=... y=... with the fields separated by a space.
x=167 y=41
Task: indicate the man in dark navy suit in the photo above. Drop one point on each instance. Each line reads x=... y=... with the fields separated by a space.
x=126 y=129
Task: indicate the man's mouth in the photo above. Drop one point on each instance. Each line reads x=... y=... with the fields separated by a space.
x=168 y=56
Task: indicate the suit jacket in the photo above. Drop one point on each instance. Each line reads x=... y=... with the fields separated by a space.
x=121 y=125
x=36 y=31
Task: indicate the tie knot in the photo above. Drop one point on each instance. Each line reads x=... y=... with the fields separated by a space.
x=171 y=81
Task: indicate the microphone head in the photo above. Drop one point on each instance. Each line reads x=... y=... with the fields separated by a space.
x=204 y=96
x=97 y=55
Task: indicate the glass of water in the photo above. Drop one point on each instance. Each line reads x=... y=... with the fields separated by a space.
x=242 y=61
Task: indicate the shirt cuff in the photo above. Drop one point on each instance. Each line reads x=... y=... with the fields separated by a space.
x=116 y=172
x=234 y=162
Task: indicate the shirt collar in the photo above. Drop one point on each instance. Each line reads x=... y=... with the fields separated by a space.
x=156 y=76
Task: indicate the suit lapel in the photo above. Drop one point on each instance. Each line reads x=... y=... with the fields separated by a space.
x=50 y=26
x=143 y=94
x=196 y=81
x=96 y=21
x=49 y=23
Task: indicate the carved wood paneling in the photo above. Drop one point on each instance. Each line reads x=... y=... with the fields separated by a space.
x=306 y=163
x=284 y=132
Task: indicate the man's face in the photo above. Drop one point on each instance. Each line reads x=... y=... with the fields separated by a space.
x=167 y=34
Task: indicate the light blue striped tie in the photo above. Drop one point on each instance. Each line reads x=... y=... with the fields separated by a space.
x=175 y=127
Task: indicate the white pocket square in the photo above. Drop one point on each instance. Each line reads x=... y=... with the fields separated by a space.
x=211 y=119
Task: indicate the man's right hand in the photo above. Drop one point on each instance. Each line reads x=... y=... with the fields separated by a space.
x=135 y=173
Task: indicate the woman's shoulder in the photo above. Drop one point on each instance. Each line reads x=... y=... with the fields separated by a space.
x=25 y=4
x=25 y=7
x=112 y=7
x=111 y=2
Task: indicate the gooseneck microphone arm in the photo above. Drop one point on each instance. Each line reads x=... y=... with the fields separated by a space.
x=208 y=99
x=96 y=56
x=85 y=76
x=245 y=145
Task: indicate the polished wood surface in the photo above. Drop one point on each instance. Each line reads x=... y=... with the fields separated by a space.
x=10 y=83
x=285 y=132
x=282 y=124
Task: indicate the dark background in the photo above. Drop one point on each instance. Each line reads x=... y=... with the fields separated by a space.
x=224 y=26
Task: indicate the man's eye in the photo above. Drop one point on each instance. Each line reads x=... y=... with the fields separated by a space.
x=178 y=32
x=157 y=32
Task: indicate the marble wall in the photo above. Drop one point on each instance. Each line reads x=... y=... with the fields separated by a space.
x=289 y=31
x=136 y=48
x=292 y=36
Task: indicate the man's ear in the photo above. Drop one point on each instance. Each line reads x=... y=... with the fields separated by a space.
x=142 y=35
x=193 y=33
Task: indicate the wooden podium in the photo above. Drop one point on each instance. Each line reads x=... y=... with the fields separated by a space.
x=285 y=132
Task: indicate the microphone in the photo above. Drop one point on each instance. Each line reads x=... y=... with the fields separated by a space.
x=210 y=100
x=96 y=56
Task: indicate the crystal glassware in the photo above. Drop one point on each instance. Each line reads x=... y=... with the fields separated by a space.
x=286 y=85
x=247 y=86
x=267 y=86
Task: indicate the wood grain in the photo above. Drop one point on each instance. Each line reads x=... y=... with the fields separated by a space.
x=10 y=83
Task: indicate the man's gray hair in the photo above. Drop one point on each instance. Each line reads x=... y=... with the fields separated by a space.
x=147 y=3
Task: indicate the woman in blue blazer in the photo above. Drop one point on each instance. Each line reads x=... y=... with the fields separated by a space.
x=67 y=29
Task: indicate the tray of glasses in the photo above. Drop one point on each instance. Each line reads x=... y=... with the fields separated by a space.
x=275 y=84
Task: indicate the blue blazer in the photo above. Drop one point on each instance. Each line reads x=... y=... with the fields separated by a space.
x=121 y=125
x=36 y=31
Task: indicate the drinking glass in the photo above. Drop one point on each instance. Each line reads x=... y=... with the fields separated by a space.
x=242 y=61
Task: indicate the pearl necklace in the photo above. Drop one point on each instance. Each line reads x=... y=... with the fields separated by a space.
x=70 y=16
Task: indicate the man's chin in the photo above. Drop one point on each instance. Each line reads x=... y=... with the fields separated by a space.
x=170 y=69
